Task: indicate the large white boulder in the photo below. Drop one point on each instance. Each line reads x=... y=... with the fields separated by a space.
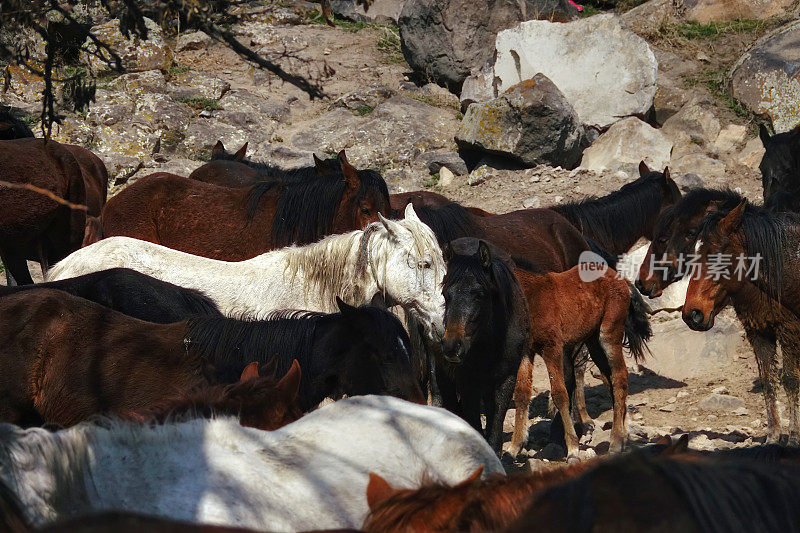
x=625 y=144
x=605 y=71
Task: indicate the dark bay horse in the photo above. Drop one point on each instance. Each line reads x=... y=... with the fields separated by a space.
x=235 y=224
x=761 y=278
x=780 y=169
x=485 y=338
x=418 y=199
x=260 y=402
x=616 y=221
x=636 y=492
x=567 y=311
x=133 y=294
x=64 y=358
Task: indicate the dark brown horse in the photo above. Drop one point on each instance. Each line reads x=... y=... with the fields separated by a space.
x=419 y=199
x=259 y=402
x=747 y=257
x=236 y=224
x=636 y=492
x=472 y=505
x=32 y=225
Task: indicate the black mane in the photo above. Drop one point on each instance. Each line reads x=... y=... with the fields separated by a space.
x=700 y=198
x=618 y=217
x=500 y=277
x=448 y=222
x=307 y=206
x=765 y=235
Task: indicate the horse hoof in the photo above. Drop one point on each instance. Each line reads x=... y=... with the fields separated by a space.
x=514 y=450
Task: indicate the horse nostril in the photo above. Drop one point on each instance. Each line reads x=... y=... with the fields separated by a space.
x=696 y=316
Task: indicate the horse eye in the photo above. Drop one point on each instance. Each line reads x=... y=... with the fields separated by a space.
x=662 y=240
x=364 y=211
x=426 y=264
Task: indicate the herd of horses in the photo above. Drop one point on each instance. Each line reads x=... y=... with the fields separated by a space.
x=189 y=328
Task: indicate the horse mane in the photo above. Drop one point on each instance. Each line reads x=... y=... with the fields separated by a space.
x=764 y=235
x=307 y=205
x=12 y=517
x=229 y=344
x=448 y=222
x=621 y=215
x=489 y=505
x=700 y=198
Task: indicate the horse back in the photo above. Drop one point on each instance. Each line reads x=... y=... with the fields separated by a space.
x=226 y=174
x=95 y=178
x=540 y=236
x=190 y=216
x=67 y=358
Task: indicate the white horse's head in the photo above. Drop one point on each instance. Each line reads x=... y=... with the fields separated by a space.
x=413 y=269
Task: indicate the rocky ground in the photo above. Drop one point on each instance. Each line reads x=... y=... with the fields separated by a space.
x=190 y=92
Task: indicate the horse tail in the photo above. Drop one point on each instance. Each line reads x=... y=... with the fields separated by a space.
x=637 y=326
x=93 y=231
x=198 y=303
x=12 y=518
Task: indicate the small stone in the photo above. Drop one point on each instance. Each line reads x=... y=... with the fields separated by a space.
x=558 y=199
x=682 y=394
x=667 y=408
x=720 y=390
x=535 y=179
x=446 y=177
x=672 y=400
x=740 y=411
x=195 y=40
x=532 y=203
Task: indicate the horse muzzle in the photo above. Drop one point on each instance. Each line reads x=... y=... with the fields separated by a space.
x=453 y=351
x=697 y=320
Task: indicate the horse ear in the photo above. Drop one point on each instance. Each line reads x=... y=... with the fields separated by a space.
x=764 y=133
x=289 y=384
x=410 y=214
x=319 y=164
x=644 y=170
x=218 y=150
x=240 y=153
x=389 y=225
x=682 y=445
x=250 y=371
x=378 y=491
x=475 y=477
x=350 y=174
x=484 y=254
x=666 y=174
x=343 y=307
x=732 y=220
x=447 y=252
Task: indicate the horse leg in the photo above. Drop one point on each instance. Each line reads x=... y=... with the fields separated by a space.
x=763 y=343
x=500 y=401
x=579 y=404
x=16 y=268
x=791 y=383
x=523 y=389
x=43 y=262
x=606 y=351
x=436 y=394
x=448 y=390
x=553 y=356
x=471 y=409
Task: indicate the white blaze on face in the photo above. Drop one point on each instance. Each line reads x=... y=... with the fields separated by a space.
x=697 y=246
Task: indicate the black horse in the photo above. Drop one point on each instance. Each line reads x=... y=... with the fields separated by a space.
x=780 y=169
x=133 y=294
x=486 y=334
x=360 y=350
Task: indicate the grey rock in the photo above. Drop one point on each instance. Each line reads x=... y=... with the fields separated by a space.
x=197 y=85
x=434 y=161
x=137 y=54
x=721 y=402
x=135 y=84
x=240 y=107
x=379 y=12
x=193 y=40
x=765 y=78
x=110 y=108
x=604 y=70
x=120 y=167
x=625 y=145
x=531 y=123
x=706 y=11
x=445 y=40
x=368 y=97
x=532 y=203
x=687 y=182
x=693 y=127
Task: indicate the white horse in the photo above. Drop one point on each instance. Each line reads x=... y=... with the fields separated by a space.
x=400 y=260
x=311 y=474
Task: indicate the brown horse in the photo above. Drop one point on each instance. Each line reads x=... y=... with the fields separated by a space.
x=566 y=310
x=259 y=402
x=472 y=505
x=65 y=359
x=399 y=201
x=32 y=225
x=764 y=293
x=637 y=492
x=237 y=224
